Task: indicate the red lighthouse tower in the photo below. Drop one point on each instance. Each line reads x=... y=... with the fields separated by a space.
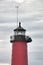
x=19 y=47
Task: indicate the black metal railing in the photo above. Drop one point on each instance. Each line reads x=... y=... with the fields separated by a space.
x=20 y=38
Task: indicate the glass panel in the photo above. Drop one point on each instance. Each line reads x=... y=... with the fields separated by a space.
x=19 y=33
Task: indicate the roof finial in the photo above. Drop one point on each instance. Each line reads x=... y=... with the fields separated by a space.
x=19 y=24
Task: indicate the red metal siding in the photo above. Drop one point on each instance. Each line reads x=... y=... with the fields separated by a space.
x=19 y=53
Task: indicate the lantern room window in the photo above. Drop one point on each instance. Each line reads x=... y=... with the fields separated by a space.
x=19 y=33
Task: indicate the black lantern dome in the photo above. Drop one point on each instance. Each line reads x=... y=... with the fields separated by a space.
x=19 y=28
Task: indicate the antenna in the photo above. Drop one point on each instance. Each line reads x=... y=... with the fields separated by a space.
x=17 y=14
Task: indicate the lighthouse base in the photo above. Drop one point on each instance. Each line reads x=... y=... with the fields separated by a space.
x=19 y=53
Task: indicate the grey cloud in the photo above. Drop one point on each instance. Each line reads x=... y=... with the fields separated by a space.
x=38 y=36
x=37 y=5
x=41 y=1
x=5 y=57
x=34 y=28
x=5 y=53
x=33 y=18
x=36 y=59
x=34 y=56
x=7 y=20
x=7 y=29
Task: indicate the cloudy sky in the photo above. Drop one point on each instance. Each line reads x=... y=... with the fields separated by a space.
x=30 y=14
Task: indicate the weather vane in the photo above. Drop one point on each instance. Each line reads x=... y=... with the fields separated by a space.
x=17 y=6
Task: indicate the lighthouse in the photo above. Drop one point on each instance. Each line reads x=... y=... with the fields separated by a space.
x=19 y=46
